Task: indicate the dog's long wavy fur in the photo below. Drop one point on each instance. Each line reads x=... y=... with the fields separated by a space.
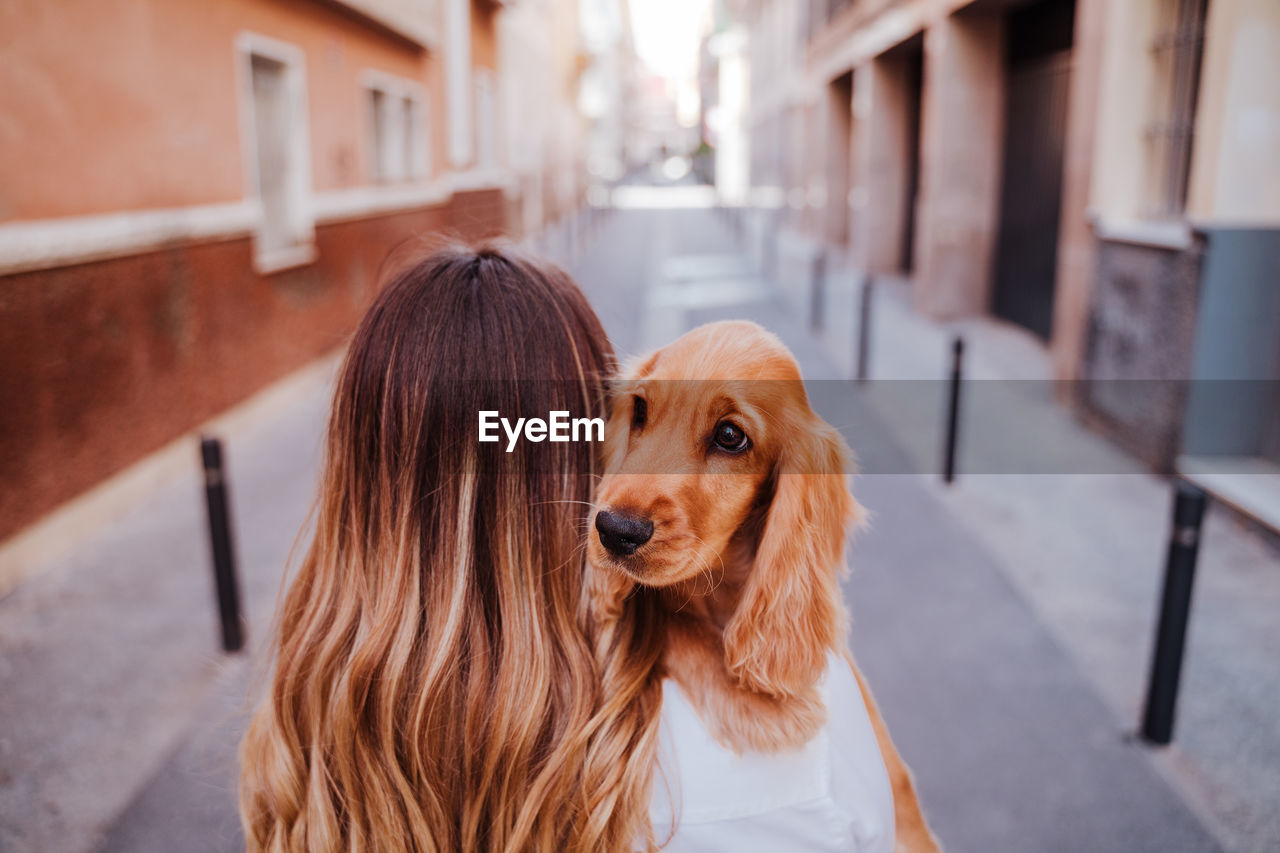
x=741 y=576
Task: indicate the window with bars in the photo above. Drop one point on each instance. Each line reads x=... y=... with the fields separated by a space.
x=1176 y=49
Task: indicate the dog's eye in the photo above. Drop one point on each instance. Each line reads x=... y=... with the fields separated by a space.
x=730 y=437
x=639 y=412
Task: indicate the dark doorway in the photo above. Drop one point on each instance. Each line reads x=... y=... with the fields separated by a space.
x=839 y=158
x=1039 y=71
x=913 y=59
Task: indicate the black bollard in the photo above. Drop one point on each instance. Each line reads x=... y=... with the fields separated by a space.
x=864 y=329
x=953 y=411
x=224 y=564
x=817 y=288
x=1175 y=609
x=769 y=255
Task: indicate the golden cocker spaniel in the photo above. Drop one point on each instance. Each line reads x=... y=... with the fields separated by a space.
x=725 y=492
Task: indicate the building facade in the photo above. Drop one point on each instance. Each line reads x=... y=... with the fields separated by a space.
x=198 y=198
x=1102 y=174
x=568 y=68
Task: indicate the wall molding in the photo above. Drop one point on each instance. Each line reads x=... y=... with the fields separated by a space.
x=405 y=18
x=363 y=202
x=472 y=180
x=1176 y=235
x=45 y=243
x=38 y=244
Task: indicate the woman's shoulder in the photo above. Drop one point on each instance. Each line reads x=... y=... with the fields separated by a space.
x=835 y=785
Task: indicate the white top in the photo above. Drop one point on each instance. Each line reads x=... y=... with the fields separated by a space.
x=831 y=794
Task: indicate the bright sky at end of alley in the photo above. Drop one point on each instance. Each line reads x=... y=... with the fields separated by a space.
x=667 y=33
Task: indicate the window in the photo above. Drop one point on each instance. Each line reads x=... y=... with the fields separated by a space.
x=415 y=141
x=397 y=134
x=1175 y=52
x=277 y=151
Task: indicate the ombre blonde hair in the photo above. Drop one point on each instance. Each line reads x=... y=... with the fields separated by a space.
x=440 y=684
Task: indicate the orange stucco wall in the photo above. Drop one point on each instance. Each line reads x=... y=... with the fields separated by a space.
x=110 y=105
x=116 y=358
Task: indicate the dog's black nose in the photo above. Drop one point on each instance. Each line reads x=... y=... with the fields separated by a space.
x=622 y=533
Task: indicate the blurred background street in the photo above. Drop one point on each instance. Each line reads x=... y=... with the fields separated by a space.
x=199 y=200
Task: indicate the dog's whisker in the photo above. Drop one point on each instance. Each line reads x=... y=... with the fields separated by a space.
x=711 y=576
x=713 y=582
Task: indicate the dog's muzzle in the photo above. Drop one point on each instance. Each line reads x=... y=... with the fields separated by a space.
x=621 y=533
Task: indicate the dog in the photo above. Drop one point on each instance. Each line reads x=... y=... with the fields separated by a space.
x=725 y=493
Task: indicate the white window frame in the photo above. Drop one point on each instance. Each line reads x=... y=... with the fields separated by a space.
x=486 y=112
x=417 y=142
x=300 y=222
x=457 y=80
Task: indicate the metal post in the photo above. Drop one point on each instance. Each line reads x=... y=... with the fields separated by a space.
x=864 y=329
x=224 y=564
x=755 y=234
x=770 y=250
x=953 y=411
x=1175 y=608
x=817 y=286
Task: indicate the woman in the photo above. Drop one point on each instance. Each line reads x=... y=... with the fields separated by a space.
x=435 y=686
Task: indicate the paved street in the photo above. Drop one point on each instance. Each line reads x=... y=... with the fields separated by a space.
x=1006 y=654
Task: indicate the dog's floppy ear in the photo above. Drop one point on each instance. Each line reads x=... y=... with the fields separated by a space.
x=617 y=428
x=791 y=612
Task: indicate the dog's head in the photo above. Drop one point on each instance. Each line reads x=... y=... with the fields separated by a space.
x=715 y=462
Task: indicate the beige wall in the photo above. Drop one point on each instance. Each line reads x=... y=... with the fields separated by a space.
x=840 y=151
x=1235 y=173
x=1124 y=107
x=1234 y=177
x=1076 y=255
x=882 y=105
x=961 y=141
x=111 y=105
x=538 y=45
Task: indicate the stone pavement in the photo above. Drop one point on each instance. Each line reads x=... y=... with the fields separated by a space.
x=991 y=658
x=109 y=657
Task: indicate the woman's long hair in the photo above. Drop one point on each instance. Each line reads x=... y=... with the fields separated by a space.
x=438 y=686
